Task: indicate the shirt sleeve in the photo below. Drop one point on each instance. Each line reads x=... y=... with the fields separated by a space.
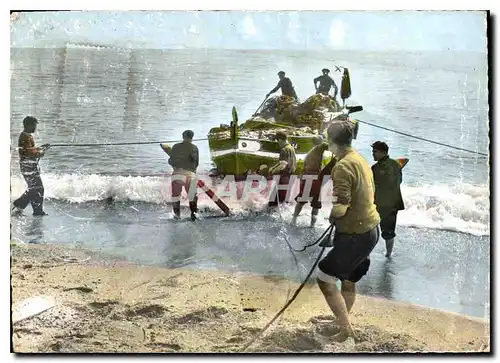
x=342 y=184
x=195 y=155
x=278 y=86
x=288 y=155
x=398 y=171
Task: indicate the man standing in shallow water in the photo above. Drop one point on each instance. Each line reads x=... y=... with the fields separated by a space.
x=285 y=167
x=29 y=156
x=388 y=177
x=312 y=167
x=184 y=159
x=356 y=227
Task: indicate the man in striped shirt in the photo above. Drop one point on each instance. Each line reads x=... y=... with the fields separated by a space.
x=29 y=156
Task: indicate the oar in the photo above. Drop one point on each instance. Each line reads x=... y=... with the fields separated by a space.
x=260 y=106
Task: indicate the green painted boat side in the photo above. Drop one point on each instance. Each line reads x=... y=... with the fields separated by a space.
x=240 y=163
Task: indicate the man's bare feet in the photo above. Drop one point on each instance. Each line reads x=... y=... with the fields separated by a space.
x=344 y=334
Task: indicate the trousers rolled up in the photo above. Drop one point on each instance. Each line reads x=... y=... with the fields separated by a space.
x=186 y=181
x=34 y=194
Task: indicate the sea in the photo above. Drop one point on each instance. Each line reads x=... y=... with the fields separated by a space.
x=90 y=94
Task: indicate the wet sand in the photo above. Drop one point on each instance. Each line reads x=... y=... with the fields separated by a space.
x=97 y=304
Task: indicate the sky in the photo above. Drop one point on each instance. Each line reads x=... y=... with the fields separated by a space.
x=306 y=30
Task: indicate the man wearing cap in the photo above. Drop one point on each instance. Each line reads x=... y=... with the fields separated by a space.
x=312 y=166
x=285 y=166
x=286 y=86
x=356 y=220
x=184 y=159
x=325 y=84
x=388 y=177
x=29 y=156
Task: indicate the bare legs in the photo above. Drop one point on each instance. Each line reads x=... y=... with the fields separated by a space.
x=389 y=244
x=314 y=216
x=298 y=209
x=339 y=306
x=348 y=291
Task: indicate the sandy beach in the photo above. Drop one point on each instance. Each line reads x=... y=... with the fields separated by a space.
x=93 y=303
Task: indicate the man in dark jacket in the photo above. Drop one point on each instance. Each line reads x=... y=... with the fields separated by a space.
x=184 y=159
x=29 y=156
x=388 y=177
x=325 y=84
x=286 y=86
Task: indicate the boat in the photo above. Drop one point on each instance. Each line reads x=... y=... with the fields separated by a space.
x=242 y=149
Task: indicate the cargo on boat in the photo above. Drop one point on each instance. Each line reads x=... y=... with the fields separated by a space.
x=240 y=149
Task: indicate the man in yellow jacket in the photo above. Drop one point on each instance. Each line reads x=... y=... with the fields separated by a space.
x=356 y=226
x=388 y=177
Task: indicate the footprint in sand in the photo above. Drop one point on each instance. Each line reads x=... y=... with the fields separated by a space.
x=212 y=312
x=149 y=311
x=80 y=288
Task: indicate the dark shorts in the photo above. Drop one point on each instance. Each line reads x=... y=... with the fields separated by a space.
x=388 y=225
x=349 y=257
x=314 y=193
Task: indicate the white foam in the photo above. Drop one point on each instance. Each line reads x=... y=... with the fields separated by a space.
x=461 y=207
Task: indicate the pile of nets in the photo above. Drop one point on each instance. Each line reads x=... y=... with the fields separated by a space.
x=286 y=110
x=283 y=113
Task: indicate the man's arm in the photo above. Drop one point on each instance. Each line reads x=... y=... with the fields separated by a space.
x=195 y=155
x=316 y=80
x=173 y=154
x=278 y=86
x=166 y=148
x=398 y=172
x=335 y=88
x=285 y=156
x=279 y=166
x=342 y=183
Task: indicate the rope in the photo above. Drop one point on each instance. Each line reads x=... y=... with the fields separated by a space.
x=421 y=138
x=329 y=229
x=205 y=139
x=125 y=143
x=291 y=300
x=119 y=143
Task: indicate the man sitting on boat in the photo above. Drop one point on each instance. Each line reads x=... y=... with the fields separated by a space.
x=286 y=86
x=312 y=166
x=184 y=159
x=325 y=84
x=285 y=166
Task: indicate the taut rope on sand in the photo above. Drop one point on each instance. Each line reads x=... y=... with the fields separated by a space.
x=299 y=289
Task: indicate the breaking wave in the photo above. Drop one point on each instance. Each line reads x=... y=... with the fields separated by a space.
x=460 y=207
